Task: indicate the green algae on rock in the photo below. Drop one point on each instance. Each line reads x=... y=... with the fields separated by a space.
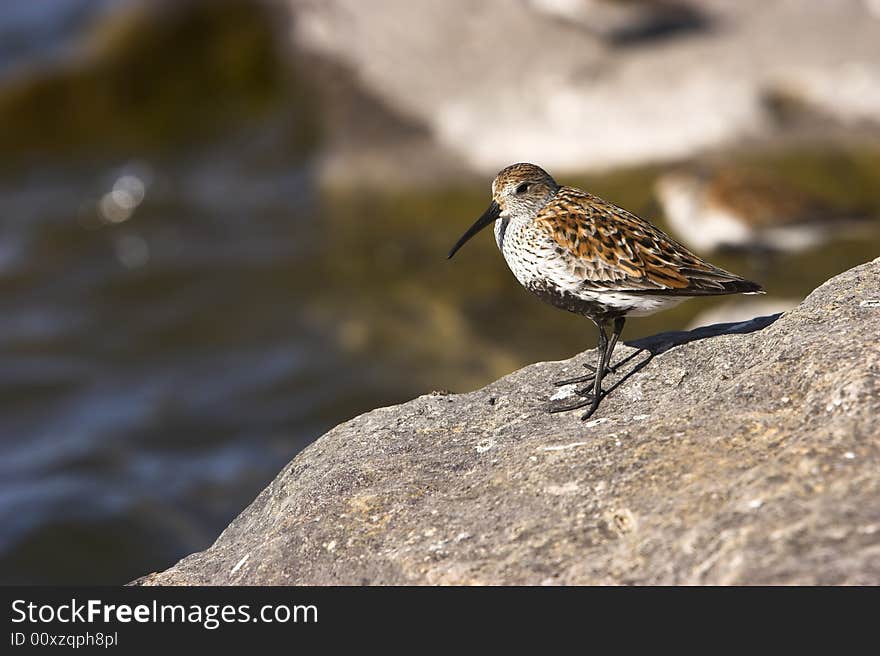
x=153 y=75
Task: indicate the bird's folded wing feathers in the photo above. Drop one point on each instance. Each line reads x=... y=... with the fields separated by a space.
x=595 y=245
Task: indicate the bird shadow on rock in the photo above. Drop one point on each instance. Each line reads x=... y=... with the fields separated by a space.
x=662 y=342
x=657 y=344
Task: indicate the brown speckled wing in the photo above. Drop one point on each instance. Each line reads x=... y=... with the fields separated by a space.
x=610 y=249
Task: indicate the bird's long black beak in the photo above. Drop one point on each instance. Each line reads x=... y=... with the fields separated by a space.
x=489 y=216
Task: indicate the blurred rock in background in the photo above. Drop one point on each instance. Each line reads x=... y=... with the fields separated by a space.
x=733 y=311
x=541 y=80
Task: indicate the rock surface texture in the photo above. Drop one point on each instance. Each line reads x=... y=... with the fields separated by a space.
x=735 y=454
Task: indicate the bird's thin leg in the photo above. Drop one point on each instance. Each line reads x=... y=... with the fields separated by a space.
x=618 y=328
x=609 y=369
x=601 y=364
x=602 y=361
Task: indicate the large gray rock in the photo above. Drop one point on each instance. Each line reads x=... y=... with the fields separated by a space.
x=745 y=453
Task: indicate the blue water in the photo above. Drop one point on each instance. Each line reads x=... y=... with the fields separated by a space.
x=146 y=398
x=33 y=33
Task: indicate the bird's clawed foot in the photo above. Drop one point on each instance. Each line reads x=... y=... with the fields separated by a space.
x=592 y=394
x=587 y=399
x=586 y=378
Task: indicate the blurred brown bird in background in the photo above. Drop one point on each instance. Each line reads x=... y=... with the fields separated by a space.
x=734 y=209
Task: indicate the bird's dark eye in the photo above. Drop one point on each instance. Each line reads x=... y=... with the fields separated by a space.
x=523 y=188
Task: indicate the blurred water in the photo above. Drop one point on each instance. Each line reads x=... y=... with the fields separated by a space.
x=35 y=32
x=152 y=394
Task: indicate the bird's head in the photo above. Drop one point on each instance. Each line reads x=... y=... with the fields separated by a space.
x=518 y=190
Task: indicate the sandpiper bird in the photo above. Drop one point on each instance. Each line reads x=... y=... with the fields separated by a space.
x=734 y=209
x=585 y=255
